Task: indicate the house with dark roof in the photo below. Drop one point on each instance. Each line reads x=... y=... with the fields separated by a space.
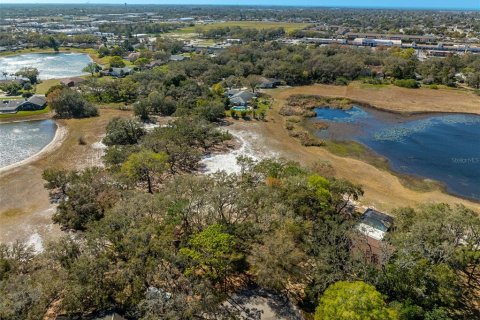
x=269 y=83
x=120 y=72
x=72 y=82
x=33 y=103
x=155 y=63
x=240 y=98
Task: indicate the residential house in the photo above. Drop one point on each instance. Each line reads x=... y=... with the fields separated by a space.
x=35 y=102
x=155 y=63
x=177 y=57
x=72 y=82
x=269 y=83
x=133 y=56
x=120 y=72
x=372 y=227
x=240 y=97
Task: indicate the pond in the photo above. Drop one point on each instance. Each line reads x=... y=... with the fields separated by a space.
x=443 y=147
x=21 y=140
x=49 y=65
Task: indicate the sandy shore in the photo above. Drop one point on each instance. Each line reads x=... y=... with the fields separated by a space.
x=25 y=208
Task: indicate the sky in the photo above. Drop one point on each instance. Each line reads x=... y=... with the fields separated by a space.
x=429 y=4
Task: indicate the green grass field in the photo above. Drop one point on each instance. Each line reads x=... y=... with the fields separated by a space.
x=43 y=86
x=288 y=26
x=21 y=114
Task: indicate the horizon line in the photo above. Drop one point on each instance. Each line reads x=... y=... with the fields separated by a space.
x=244 y=5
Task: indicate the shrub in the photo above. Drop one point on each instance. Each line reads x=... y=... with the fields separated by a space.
x=406 y=83
x=68 y=103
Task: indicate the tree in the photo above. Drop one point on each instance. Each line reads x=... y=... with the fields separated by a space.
x=68 y=103
x=116 y=62
x=253 y=81
x=211 y=253
x=91 y=68
x=56 y=180
x=473 y=79
x=144 y=166
x=121 y=131
x=218 y=90
x=11 y=88
x=142 y=109
x=436 y=258
x=141 y=63
x=86 y=196
x=30 y=73
x=276 y=262
x=353 y=301
x=210 y=110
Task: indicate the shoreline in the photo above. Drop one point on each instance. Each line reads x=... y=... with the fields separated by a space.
x=414 y=182
x=58 y=139
x=392 y=99
x=92 y=56
x=384 y=189
x=25 y=206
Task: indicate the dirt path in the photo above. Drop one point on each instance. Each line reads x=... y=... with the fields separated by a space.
x=383 y=190
x=25 y=209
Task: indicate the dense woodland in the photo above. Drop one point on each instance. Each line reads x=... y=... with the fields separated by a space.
x=149 y=236
x=152 y=239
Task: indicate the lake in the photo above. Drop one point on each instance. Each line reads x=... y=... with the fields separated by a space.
x=21 y=140
x=442 y=147
x=49 y=65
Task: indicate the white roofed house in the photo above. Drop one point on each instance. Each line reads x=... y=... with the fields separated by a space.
x=372 y=228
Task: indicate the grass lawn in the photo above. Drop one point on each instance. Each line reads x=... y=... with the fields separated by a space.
x=288 y=26
x=21 y=114
x=43 y=86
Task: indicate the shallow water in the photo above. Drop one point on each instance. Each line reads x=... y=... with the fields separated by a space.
x=21 y=140
x=443 y=147
x=49 y=65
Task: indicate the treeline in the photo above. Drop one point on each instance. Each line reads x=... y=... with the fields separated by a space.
x=245 y=34
x=150 y=240
x=179 y=88
x=139 y=27
x=45 y=40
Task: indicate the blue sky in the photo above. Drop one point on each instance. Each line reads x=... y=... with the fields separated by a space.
x=431 y=4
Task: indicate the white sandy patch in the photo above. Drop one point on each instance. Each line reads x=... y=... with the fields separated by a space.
x=36 y=242
x=34 y=231
x=251 y=146
x=151 y=126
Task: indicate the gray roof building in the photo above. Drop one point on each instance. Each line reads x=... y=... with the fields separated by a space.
x=33 y=103
x=241 y=98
